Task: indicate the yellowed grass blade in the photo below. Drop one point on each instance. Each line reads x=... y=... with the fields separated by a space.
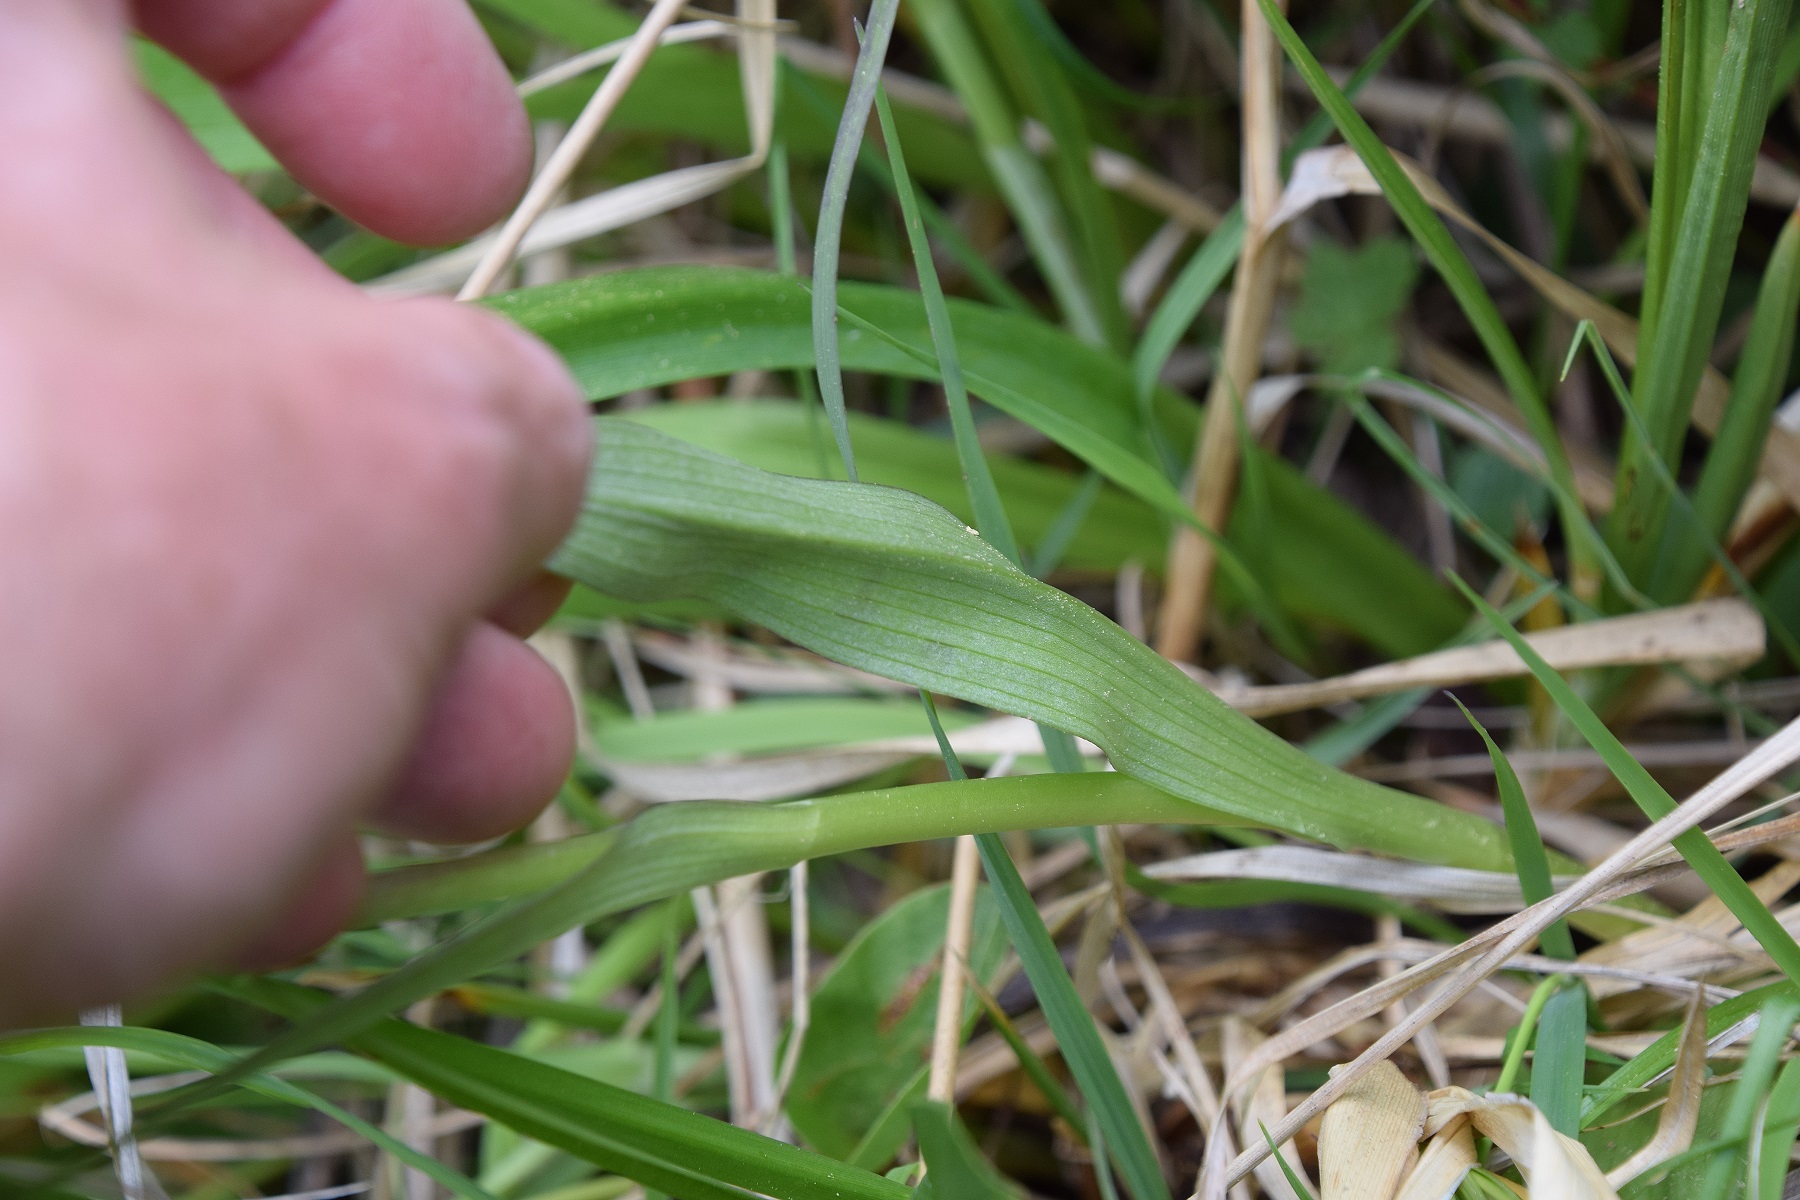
x=1680 y=1114
x=1481 y=955
x=1447 y=1158
x=1369 y=1141
x=1260 y=1107
x=1554 y=1164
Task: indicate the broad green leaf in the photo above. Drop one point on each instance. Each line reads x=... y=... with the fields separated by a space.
x=885 y=581
x=872 y=1018
x=954 y=1168
x=199 y=106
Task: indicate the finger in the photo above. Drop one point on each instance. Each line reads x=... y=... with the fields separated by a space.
x=540 y=410
x=495 y=748
x=324 y=905
x=397 y=112
x=535 y=602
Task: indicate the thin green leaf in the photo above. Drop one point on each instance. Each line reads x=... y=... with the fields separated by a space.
x=1452 y=265
x=1736 y=452
x=1691 y=260
x=1062 y=531
x=829 y=237
x=1659 y=1056
x=194 y=1053
x=1021 y=177
x=1038 y=83
x=1293 y=1180
x=659 y=1145
x=1031 y=1062
x=1695 y=847
x=1750 y=1094
x=984 y=498
x=1778 y=1135
x=1070 y=1021
x=1192 y=288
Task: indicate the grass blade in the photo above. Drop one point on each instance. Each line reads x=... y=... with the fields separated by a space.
x=1021 y=177
x=1756 y=388
x=1749 y=1095
x=829 y=237
x=1070 y=1021
x=1700 y=853
x=984 y=498
x=1686 y=298
x=1453 y=266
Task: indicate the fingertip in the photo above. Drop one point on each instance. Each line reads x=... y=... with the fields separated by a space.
x=495 y=749
x=525 y=610
x=324 y=905
x=398 y=113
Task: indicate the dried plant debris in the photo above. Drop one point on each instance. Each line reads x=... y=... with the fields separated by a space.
x=1221 y=385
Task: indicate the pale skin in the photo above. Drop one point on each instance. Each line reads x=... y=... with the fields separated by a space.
x=270 y=545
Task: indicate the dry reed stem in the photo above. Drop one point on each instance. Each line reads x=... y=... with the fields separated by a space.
x=562 y=163
x=1490 y=949
x=1192 y=558
x=111 y=1077
x=946 y=1041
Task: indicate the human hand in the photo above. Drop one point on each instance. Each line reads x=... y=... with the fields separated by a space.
x=270 y=543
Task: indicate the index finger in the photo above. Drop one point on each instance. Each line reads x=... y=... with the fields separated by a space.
x=396 y=112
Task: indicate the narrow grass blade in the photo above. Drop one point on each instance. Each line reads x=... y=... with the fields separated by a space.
x=1069 y=1019
x=1749 y=1095
x=1661 y=1054
x=1051 y=548
x=829 y=237
x=1031 y=1062
x=1778 y=1135
x=1036 y=79
x=1560 y=1063
x=1079 y=1041
x=1692 y=524
x=1524 y=1031
x=662 y=1146
x=1021 y=177
x=954 y=1167
x=1530 y=859
x=1756 y=388
x=1451 y=264
x=1192 y=288
x=988 y=282
x=194 y=1053
x=1674 y=345
x=1319 y=125
x=1700 y=853
x=984 y=498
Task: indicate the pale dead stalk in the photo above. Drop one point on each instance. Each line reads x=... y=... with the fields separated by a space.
x=561 y=165
x=1490 y=950
x=946 y=1041
x=1192 y=558
x=111 y=1078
